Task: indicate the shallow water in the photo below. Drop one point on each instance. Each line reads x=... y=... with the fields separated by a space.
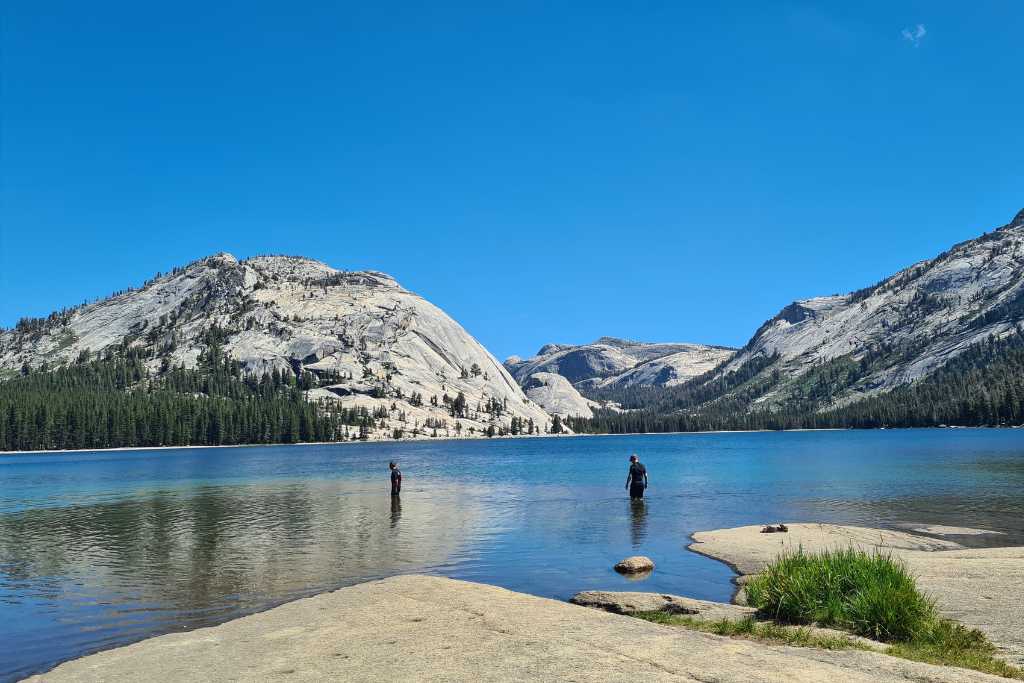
x=102 y=549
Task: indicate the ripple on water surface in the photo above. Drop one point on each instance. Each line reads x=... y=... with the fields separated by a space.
x=102 y=549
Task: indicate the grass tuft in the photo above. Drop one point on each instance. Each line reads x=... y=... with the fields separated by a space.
x=752 y=629
x=951 y=644
x=871 y=595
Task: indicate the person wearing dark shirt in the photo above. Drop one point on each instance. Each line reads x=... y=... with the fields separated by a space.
x=396 y=478
x=636 y=480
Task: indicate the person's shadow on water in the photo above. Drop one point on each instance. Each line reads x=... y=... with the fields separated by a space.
x=638 y=521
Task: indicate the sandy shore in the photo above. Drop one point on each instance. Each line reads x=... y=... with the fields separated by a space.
x=419 y=628
x=982 y=588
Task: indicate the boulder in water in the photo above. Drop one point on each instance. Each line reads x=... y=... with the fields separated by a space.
x=635 y=565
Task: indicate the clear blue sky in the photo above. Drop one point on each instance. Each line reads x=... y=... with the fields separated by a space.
x=542 y=171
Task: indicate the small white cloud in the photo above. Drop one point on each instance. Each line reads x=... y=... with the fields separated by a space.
x=914 y=35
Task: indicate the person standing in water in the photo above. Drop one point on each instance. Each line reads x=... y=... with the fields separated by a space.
x=396 y=478
x=636 y=480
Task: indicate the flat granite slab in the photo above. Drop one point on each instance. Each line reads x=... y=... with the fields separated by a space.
x=982 y=588
x=631 y=603
x=627 y=602
x=421 y=628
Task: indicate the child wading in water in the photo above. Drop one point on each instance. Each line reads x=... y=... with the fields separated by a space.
x=396 y=478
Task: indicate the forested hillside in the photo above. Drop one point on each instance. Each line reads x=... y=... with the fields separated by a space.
x=286 y=349
x=982 y=386
x=264 y=350
x=936 y=343
x=118 y=402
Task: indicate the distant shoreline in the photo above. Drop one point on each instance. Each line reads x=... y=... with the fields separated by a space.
x=478 y=438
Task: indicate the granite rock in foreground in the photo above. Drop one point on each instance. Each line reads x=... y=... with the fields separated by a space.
x=980 y=588
x=632 y=602
x=420 y=628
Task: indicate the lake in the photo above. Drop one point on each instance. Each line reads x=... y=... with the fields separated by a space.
x=105 y=548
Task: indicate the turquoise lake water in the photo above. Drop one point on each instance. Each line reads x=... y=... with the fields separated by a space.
x=106 y=548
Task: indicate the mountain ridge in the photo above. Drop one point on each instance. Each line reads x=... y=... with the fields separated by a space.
x=607 y=362
x=817 y=357
x=365 y=341
x=400 y=366
x=938 y=304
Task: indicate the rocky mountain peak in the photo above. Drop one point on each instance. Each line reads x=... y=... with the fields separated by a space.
x=1018 y=220
x=615 y=341
x=548 y=349
x=614 y=361
x=900 y=329
x=368 y=342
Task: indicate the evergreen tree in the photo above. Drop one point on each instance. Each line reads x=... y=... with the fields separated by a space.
x=556 y=424
x=459 y=405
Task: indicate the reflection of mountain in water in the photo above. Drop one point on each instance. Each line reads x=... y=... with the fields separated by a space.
x=269 y=540
x=192 y=560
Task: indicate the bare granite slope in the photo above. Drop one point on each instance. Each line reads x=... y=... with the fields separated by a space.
x=620 y=362
x=608 y=363
x=371 y=342
x=419 y=628
x=902 y=328
x=557 y=396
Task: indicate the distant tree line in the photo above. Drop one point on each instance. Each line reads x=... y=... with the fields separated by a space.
x=117 y=402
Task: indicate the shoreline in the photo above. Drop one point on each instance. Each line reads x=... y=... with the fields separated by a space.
x=342 y=633
x=494 y=438
x=978 y=587
x=444 y=629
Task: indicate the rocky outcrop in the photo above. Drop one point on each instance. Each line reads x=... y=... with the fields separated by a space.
x=637 y=564
x=619 y=362
x=674 y=368
x=369 y=342
x=557 y=396
x=630 y=603
x=977 y=587
x=434 y=629
x=896 y=331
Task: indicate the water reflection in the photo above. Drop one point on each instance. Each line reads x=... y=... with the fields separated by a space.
x=98 y=550
x=128 y=569
x=638 y=521
x=396 y=510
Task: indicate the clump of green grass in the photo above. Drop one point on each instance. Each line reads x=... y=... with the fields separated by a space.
x=872 y=595
x=951 y=644
x=752 y=629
